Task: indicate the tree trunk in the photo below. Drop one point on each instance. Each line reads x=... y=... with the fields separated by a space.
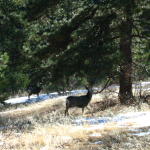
x=125 y=92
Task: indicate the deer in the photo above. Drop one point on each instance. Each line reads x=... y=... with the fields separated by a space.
x=78 y=101
x=33 y=90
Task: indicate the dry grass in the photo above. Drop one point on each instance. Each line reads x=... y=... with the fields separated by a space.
x=66 y=137
x=34 y=108
x=43 y=126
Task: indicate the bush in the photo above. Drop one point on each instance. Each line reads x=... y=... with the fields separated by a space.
x=3 y=97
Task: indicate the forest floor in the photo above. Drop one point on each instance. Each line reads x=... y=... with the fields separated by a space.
x=107 y=125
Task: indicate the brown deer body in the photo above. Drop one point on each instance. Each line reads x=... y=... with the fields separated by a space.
x=33 y=90
x=78 y=101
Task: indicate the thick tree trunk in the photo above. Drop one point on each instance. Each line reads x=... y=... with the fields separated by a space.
x=125 y=92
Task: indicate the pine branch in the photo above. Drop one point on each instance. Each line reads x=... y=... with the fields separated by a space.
x=61 y=38
x=35 y=8
x=141 y=66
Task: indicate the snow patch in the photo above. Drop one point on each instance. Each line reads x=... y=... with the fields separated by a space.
x=1 y=143
x=25 y=99
x=91 y=121
x=95 y=135
x=98 y=142
x=131 y=121
x=141 y=133
x=42 y=97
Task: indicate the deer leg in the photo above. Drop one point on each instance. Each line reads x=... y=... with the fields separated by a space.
x=29 y=96
x=38 y=95
x=89 y=110
x=82 y=110
x=66 y=111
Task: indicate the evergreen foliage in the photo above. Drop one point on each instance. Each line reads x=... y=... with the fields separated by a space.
x=65 y=44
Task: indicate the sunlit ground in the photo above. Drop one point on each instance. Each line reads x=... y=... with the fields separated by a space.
x=107 y=125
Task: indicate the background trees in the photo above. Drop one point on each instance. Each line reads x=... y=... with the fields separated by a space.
x=12 y=77
x=65 y=44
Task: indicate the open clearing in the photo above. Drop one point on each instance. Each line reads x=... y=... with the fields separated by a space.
x=107 y=125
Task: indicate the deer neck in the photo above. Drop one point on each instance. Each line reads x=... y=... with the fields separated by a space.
x=89 y=94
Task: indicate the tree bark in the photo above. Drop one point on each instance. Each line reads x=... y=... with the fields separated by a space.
x=125 y=91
